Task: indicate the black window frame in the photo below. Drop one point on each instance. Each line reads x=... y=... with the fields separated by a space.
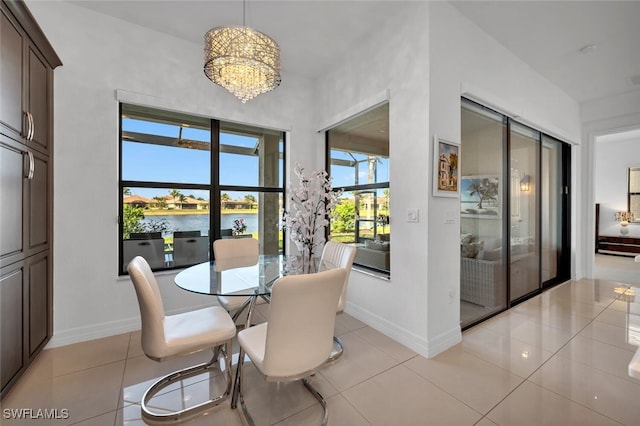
x=214 y=187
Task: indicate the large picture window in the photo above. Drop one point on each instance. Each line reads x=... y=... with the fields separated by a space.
x=358 y=163
x=187 y=180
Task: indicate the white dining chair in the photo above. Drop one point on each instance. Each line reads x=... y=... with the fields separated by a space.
x=225 y=250
x=338 y=255
x=297 y=339
x=167 y=336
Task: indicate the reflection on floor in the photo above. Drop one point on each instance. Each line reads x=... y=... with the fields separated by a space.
x=560 y=358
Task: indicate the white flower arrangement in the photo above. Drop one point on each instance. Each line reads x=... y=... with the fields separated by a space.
x=312 y=202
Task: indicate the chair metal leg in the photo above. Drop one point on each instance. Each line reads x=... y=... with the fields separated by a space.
x=183 y=374
x=237 y=390
x=320 y=398
x=241 y=309
x=337 y=350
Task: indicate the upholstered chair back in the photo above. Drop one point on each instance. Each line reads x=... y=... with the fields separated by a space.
x=151 y=307
x=235 y=247
x=302 y=316
x=338 y=255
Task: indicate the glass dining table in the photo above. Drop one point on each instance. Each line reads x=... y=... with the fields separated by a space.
x=241 y=276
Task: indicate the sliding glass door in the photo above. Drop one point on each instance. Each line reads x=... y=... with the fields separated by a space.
x=524 y=242
x=514 y=212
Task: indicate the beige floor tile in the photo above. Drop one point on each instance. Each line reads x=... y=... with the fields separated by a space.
x=346 y=323
x=400 y=397
x=387 y=345
x=271 y=402
x=524 y=329
x=602 y=392
x=609 y=334
x=518 y=357
x=613 y=317
x=103 y=420
x=135 y=345
x=485 y=422
x=141 y=372
x=80 y=356
x=360 y=361
x=561 y=319
x=608 y=358
x=222 y=415
x=477 y=383
x=341 y=413
x=84 y=394
x=532 y=405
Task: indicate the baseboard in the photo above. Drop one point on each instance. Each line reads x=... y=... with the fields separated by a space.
x=98 y=331
x=426 y=348
x=92 y=332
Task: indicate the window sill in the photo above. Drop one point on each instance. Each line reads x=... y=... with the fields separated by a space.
x=375 y=274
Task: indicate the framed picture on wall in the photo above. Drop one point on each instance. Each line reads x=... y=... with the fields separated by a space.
x=480 y=197
x=446 y=175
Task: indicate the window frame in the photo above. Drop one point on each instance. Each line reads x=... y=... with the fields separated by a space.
x=213 y=187
x=363 y=187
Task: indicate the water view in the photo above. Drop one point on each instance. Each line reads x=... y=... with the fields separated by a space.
x=200 y=222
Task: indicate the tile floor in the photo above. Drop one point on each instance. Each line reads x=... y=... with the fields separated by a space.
x=558 y=359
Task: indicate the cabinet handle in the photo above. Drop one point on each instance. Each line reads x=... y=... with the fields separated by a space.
x=31 y=127
x=32 y=165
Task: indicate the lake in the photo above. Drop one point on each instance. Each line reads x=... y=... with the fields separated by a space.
x=200 y=222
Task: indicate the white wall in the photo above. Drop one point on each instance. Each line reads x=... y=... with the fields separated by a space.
x=100 y=56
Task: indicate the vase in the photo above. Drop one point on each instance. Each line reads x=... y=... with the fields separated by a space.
x=308 y=263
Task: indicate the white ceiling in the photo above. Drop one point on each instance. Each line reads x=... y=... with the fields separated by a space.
x=548 y=35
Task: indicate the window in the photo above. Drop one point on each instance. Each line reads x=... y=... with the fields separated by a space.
x=358 y=163
x=182 y=176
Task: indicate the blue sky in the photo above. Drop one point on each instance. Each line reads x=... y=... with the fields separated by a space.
x=150 y=162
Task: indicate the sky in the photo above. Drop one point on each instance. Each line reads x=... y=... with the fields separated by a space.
x=160 y=163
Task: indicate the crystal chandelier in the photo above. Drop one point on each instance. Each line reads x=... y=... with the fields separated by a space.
x=244 y=61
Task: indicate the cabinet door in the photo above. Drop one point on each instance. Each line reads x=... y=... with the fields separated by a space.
x=11 y=330
x=38 y=205
x=38 y=97
x=11 y=75
x=37 y=269
x=11 y=176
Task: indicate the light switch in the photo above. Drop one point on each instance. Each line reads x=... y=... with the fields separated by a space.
x=413 y=215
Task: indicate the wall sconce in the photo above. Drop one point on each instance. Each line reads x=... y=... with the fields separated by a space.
x=525 y=183
x=624 y=218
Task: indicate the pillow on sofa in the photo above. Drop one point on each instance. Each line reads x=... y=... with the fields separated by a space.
x=494 y=254
x=470 y=249
x=465 y=238
x=377 y=245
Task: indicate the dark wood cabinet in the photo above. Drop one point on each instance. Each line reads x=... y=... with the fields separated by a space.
x=628 y=246
x=27 y=61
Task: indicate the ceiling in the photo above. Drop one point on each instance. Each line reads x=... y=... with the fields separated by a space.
x=547 y=35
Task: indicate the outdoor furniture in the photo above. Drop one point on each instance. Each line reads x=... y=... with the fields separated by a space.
x=165 y=336
x=189 y=248
x=149 y=245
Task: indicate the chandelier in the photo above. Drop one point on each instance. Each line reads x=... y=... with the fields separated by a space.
x=244 y=61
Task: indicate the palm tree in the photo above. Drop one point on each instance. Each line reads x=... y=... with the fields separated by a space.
x=175 y=193
x=161 y=202
x=485 y=190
